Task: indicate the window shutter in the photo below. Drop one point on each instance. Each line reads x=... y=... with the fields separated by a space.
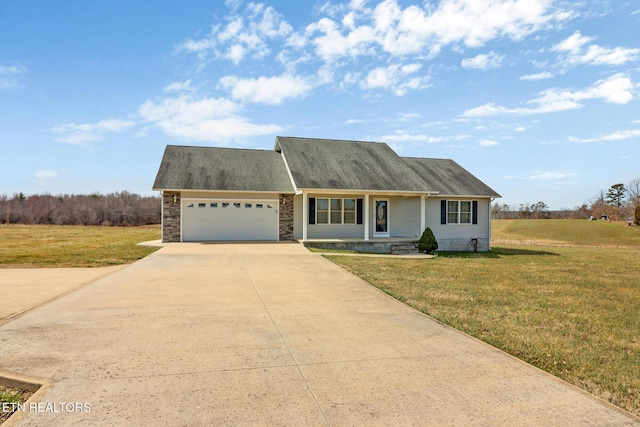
x=312 y=210
x=443 y=211
x=474 y=211
x=359 y=211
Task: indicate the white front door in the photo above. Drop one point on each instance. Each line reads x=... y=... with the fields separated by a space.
x=381 y=218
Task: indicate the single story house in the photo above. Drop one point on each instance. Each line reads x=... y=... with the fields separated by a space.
x=310 y=189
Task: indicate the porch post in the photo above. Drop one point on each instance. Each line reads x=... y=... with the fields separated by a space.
x=422 y=213
x=305 y=215
x=366 y=217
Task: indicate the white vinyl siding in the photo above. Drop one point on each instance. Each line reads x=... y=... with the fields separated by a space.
x=404 y=218
x=469 y=231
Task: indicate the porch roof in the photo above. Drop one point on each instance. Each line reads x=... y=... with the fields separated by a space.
x=347 y=165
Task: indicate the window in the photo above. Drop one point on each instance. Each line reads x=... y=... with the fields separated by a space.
x=236 y=204
x=247 y=205
x=225 y=205
x=459 y=212
x=322 y=211
x=465 y=212
x=335 y=211
x=349 y=211
x=452 y=212
x=214 y=205
x=202 y=205
x=259 y=205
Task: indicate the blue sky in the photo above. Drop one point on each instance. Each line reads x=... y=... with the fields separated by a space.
x=538 y=98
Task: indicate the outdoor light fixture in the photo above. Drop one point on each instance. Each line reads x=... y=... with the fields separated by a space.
x=284 y=200
x=175 y=198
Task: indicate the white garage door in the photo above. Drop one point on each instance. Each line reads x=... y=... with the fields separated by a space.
x=228 y=219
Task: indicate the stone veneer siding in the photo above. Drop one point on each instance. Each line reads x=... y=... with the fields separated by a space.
x=170 y=217
x=285 y=228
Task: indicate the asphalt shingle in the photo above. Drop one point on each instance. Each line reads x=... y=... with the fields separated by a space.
x=224 y=169
x=449 y=178
x=352 y=165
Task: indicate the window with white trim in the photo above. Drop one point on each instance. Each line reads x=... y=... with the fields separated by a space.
x=335 y=211
x=459 y=212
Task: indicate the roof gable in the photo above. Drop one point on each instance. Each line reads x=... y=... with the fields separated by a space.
x=449 y=178
x=347 y=165
x=223 y=169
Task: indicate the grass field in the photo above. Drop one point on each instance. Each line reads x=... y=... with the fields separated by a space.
x=73 y=246
x=568 y=301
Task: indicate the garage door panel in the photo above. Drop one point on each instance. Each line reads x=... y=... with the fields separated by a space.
x=222 y=219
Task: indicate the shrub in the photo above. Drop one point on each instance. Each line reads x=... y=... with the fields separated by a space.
x=636 y=220
x=427 y=242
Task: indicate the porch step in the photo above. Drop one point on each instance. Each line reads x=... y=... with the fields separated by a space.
x=409 y=248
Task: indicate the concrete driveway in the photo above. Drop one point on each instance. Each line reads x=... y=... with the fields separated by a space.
x=268 y=334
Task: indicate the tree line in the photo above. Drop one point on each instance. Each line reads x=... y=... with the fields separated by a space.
x=114 y=209
x=619 y=202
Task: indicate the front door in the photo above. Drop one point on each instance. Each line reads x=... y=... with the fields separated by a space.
x=381 y=220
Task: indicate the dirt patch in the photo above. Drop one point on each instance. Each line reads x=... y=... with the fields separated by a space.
x=10 y=398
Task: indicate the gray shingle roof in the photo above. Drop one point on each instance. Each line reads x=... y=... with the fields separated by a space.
x=449 y=178
x=224 y=169
x=347 y=165
x=314 y=164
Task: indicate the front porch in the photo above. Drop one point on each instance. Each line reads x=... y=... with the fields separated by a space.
x=377 y=245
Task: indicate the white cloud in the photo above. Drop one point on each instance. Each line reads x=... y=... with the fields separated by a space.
x=543 y=175
x=617 y=89
x=356 y=121
x=77 y=134
x=573 y=43
x=11 y=76
x=184 y=86
x=395 y=78
x=520 y=129
x=483 y=62
x=401 y=136
x=539 y=76
x=416 y=29
x=47 y=174
x=267 y=90
x=385 y=31
x=615 y=136
x=487 y=143
x=242 y=36
x=202 y=119
x=576 y=51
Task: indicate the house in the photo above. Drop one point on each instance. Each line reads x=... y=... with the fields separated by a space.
x=315 y=190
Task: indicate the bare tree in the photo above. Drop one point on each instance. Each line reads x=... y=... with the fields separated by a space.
x=633 y=191
x=122 y=208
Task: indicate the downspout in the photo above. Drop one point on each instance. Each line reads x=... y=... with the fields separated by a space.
x=490 y=201
x=366 y=217
x=423 y=212
x=305 y=215
x=162 y=215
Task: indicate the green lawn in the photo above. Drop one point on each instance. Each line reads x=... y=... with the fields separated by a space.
x=73 y=246
x=567 y=232
x=572 y=310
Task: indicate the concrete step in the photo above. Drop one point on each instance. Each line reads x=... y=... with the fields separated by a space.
x=411 y=248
